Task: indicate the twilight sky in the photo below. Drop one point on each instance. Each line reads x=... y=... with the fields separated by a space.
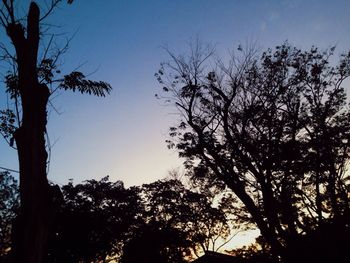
x=120 y=41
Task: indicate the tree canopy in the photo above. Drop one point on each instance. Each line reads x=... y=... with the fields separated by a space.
x=100 y=220
x=93 y=219
x=191 y=214
x=273 y=127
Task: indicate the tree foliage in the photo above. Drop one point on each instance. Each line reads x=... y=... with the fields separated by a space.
x=9 y=203
x=191 y=212
x=100 y=220
x=155 y=242
x=93 y=219
x=188 y=221
x=274 y=128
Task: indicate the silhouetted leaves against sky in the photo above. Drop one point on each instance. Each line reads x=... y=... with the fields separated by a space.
x=272 y=126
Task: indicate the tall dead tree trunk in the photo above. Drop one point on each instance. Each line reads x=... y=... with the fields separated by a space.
x=31 y=229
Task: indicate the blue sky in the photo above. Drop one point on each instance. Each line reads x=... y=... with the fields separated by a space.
x=120 y=42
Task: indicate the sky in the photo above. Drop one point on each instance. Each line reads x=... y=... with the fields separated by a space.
x=121 y=42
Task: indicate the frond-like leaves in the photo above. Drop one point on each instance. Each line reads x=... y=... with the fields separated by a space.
x=76 y=81
x=7 y=123
x=46 y=70
x=11 y=82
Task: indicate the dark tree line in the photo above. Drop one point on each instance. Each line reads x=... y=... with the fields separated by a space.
x=102 y=220
x=274 y=127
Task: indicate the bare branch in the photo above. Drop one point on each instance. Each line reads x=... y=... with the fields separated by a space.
x=10 y=10
x=8 y=169
x=53 y=5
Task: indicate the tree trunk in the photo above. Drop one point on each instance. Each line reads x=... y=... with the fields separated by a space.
x=31 y=227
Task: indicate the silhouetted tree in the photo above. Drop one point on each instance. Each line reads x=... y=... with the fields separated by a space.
x=93 y=221
x=191 y=214
x=275 y=129
x=155 y=242
x=215 y=192
x=30 y=85
x=9 y=204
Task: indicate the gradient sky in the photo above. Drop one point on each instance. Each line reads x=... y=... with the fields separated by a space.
x=120 y=41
